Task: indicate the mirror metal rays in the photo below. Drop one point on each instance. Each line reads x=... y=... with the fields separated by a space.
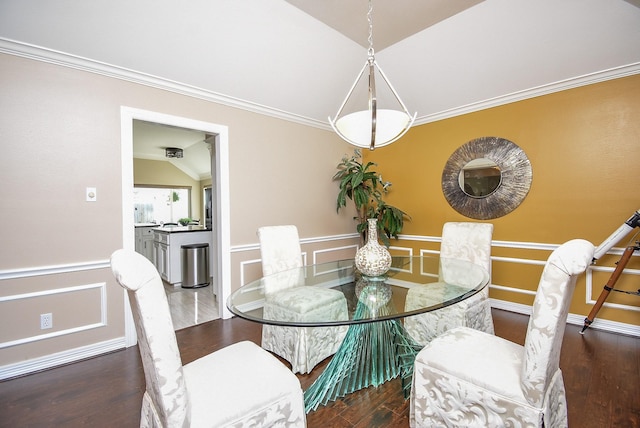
x=486 y=178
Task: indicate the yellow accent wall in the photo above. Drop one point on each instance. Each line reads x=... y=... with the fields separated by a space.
x=584 y=148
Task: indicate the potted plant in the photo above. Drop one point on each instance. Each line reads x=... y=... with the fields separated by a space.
x=365 y=187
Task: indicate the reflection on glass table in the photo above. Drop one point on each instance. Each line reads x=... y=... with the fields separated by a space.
x=376 y=348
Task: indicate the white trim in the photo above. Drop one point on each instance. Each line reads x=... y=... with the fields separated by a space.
x=54 y=269
x=605 y=325
x=316 y=253
x=328 y=238
x=243 y=265
x=420 y=238
x=573 y=319
x=102 y=286
x=223 y=217
x=303 y=241
x=25 y=50
x=65 y=357
x=589 y=288
x=550 y=88
x=50 y=292
x=513 y=290
x=518 y=260
x=518 y=308
x=408 y=250
x=59 y=333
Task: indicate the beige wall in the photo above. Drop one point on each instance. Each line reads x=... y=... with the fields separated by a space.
x=60 y=132
x=160 y=173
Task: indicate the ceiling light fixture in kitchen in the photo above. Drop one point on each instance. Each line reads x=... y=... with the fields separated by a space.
x=173 y=152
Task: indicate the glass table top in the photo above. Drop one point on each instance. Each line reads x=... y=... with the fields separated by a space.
x=335 y=293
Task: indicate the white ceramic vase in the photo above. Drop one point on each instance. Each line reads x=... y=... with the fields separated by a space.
x=373 y=259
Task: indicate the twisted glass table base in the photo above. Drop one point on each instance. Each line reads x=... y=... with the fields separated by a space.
x=371 y=353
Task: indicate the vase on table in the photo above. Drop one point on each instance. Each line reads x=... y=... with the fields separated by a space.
x=373 y=259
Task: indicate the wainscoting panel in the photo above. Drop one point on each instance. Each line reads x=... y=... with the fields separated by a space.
x=517 y=295
x=25 y=309
x=86 y=310
x=516 y=269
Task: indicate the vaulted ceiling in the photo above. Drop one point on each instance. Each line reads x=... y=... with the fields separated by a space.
x=296 y=59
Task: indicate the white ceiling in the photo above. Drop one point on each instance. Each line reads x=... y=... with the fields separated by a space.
x=296 y=59
x=151 y=139
x=392 y=20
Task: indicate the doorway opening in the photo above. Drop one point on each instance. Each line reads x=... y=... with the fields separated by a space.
x=217 y=140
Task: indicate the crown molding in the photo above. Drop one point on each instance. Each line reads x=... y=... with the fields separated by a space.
x=25 y=50
x=37 y=53
x=550 y=88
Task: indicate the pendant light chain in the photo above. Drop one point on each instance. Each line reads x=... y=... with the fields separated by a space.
x=370 y=20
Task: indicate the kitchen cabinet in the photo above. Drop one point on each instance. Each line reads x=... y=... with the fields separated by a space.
x=167 y=244
x=161 y=259
x=144 y=240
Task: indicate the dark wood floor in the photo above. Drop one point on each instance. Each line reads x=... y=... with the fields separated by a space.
x=601 y=372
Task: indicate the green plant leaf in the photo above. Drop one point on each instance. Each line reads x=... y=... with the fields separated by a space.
x=365 y=188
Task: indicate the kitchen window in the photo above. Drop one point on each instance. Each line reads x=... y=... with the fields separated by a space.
x=159 y=204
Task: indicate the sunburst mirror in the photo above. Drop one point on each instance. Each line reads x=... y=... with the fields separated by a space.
x=486 y=178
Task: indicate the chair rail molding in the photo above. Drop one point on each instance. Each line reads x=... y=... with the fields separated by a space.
x=52 y=269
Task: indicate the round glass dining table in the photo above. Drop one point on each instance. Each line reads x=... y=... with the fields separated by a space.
x=376 y=347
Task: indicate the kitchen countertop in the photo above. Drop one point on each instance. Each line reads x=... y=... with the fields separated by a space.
x=180 y=229
x=146 y=225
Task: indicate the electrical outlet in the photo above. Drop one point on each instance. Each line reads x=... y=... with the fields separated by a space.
x=92 y=195
x=46 y=321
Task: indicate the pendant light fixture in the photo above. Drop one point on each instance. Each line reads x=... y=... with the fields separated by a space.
x=374 y=127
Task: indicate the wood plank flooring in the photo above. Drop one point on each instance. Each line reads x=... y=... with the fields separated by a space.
x=601 y=372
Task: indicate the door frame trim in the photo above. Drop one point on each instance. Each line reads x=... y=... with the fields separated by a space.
x=220 y=186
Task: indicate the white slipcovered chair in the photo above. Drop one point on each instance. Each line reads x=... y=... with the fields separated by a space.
x=241 y=385
x=287 y=298
x=468 y=378
x=460 y=241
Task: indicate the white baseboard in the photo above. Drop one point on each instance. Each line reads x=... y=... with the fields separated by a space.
x=574 y=319
x=60 y=358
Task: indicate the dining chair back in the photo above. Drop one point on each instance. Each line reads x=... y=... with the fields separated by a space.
x=467 y=377
x=236 y=385
x=465 y=241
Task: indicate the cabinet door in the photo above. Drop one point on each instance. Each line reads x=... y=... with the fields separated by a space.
x=138 y=241
x=156 y=255
x=163 y=261
x=147 y=249
x=159 y=259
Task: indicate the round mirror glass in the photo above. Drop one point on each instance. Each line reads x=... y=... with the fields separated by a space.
x=479 y=178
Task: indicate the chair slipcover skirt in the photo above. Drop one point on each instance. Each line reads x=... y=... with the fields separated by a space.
x=460 y=241
x=468 y=378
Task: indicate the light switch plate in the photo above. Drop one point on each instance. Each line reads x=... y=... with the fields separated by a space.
x=91 y=194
